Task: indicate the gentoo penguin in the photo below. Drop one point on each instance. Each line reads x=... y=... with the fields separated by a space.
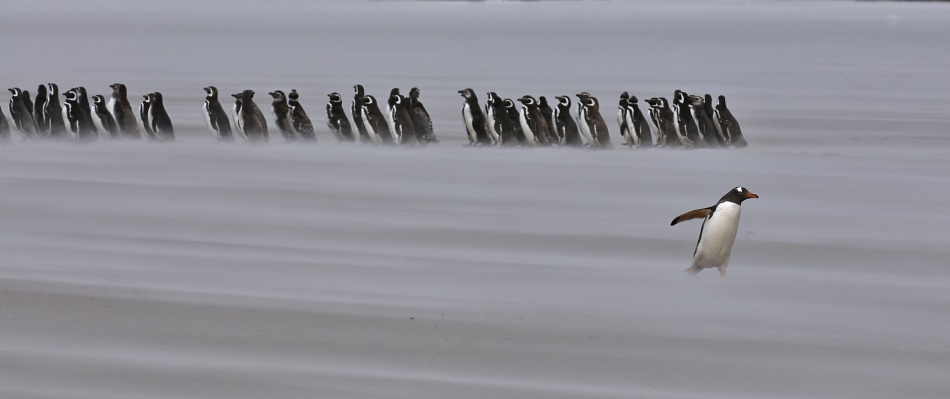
x=582 y=119
x=625 y=120
x=729 y=124
x=595 y=122
x=145 y=115
x=565 y=124
x=121 y=110
x=402 y=125
x=79 y=124
x=39 y=111
x=4 y=129
x=336 y=119
x=515 y=117
x=718 y=233
x=21 y=115
x=474 y=119
x=300 y=120
x=281 y=113
x=158 y=116
x=532 y=122
x=548 y=115
x=711 y=114
x=356 y=109
x=707 y=132
x=377 y=127
x=503 y=124
x=420 y=118
x=248 y=119
x=54 y=113
x=215 y=117
x=685 y=123
x=104 y=121
x=641 y=128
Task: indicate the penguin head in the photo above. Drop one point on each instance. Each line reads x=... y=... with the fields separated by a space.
x=369 y=100
x=41 y=90
x=248 y=93
x=293 y=95
x=15 y=91
x=737 y=195
x=212 y=91
x=71 y=95
x=278 y=96
x=542 y=102
x=707 y=98
x=493 y=97
x=98 y=99
x=722 y=101
x=156 y=97
x=119 y=89
x=467 y=93
x=335 y=97
x=527 y=100
x=564 y=101
x=358 y=90
x=394 y=92
x=591 y=101
x=53 y=89
x=696 y=100
x=509 y=104
x=624 y=96
x=414 y=93
x=663 y=103
x=148 y=98
x=632 y=100
x=582 y=96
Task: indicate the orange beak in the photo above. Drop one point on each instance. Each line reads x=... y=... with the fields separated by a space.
x=750 y=195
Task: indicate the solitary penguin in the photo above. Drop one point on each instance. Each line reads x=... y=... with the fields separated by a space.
x=282 y=115
x=80 y=124
x=718 y=233
x=565 y=124
x=39 y=111
x=503 y=124
x=729 y=124
x=402 y=120
x=474 y=119
x=548 y=113
x=420 y=118
x=705 y=126
x=377 y=127
x=121 y=110
x=337 y=121
x=595 y=122
x=54 y=113
x=532 y=122
x=146 y=116
x=161 y=122
x=215 y=117
x=21 y=115
x=356 y=109
x=103 y=120
x=4 y=129
x=299 y=118
x=248 y=118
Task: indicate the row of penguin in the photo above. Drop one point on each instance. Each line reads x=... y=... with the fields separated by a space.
x=690 y=121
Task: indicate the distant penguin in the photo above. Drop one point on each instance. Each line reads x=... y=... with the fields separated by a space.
x=336 y=119
x=402 y=120
x=641 y=127
x=39 y=111
x=515 y=116
x=503 y=124
x=121 y=110
x=281 y=112
x=532 y=121
x=356 y=109
x=625 y=120
x=79 y=124
x=687 y=123
x=84 y=102
x=420 y=118
x=490 y=120
x=299 y=118
x=473 y=119
x=705 y=125
x=215 y=117
x=596 y=124
x=548 y=113
x=711 y=114
x=21 y=115
x=729 y=124
x=249 y=120
x=583 y=121
x=377 y=127
x=104 y=121
x=54 y=113
x=4 y=129
x=667 y=123
x=565 y=124
x=145 y=115
x=718 y=233
x=161 y=123
x=390 y=114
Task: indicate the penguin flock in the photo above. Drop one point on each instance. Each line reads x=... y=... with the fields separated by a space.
x=691 y=122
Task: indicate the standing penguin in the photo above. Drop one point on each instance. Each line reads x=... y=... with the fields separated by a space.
x=80 y=124
x=685 y=122
x=474 y=119
x=336 y=119
x=503 y=125
x=711 y=114
x=281 y=113
x=299 y=118
x=375 y=122
x=515 y=118
x=103 y=120
x=4 y=129
x=249 y=120
x=161 y=122
x=356 y=109
x=420 y=118
x=54 y=113
x=84 y=102
x=548 y=113
x=532 y=122
x=215 y=117
x=729 y=124
x=21 y=115
x=39 y=111
x=121 y=110
x=595 y=122
x=582 y=119
x=490 y=119
x=705 y=125
x=625 y=120
x=565 y=124
x=641 y=128
x=718 y=233
x=145 y=115
x=402 y=120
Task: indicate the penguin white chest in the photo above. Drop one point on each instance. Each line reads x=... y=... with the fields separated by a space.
x=718 y=235
x=469 y=123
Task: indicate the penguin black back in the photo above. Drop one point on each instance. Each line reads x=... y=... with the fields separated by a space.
x=282 y=115
x=121 y=110
x=474 y=119
x=420 y=118
x=105 y=120
x=548 y=114
x=161 y=122
x=21 y=115
x=299 y=118
x=215 y=116
x=39 y=111
x=54 y=113
x=336 y=119
x=729 y=124
x=641 y=128
x=356 y=110
x=565 y=123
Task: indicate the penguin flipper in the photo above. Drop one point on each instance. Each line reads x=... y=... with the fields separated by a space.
x=693 y=214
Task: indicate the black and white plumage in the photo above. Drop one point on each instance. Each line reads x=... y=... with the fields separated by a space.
x=711 y=114
x=281 y=112
x=103 y=120
x=665 y=121
x=21 y=115
x=515 y=116
x=53 y=115
x=718 y=232
x=299 y=118
x=39 y=111
x=336 y=119
x=729 y=125
x=641 y=127
x=532 y=122
x=377 y=127
x=145 y=115
x=4 y=128
x=625 y=120
x=595 y=123
x=161 y=123
x=249 y=121
x=687 y=130
x=121 y=109
x=474 y=120
x=401 y=122
x=548 y=113
x=565 y=123
x=420 y=118
x=79 y=123
x=707 y=132
x=356 y=109
x=215 y=117
x=582 y=119
x=84 y=101
x=503 y=125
